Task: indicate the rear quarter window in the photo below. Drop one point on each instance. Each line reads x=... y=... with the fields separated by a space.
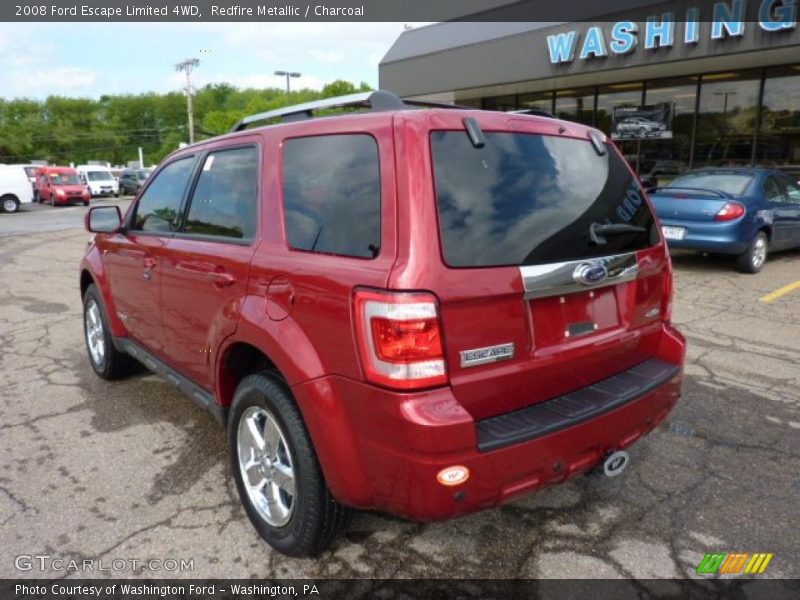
x=527 y=199
x=332 y=194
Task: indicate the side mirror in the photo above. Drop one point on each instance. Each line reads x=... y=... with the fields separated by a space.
x=103 y=219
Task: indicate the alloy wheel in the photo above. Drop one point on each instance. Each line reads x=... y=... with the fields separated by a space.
x=94 y=333
x=266 y=466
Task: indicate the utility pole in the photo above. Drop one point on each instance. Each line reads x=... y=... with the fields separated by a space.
x=288 y=75
x=187 y=66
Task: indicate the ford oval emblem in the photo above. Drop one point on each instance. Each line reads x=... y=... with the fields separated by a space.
x=615 y=463
x=590 y=273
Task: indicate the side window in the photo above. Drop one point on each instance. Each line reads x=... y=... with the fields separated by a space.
x=224 y=202
x=792 y=190
x=332 y=194
x=772 y=190
x=158 y=208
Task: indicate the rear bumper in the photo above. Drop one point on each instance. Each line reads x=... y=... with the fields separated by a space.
x=381 y=449
x=712 y=236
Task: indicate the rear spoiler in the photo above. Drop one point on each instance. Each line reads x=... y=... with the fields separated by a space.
x=683 y=190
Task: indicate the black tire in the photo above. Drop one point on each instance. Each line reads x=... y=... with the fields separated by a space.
x=753 y=259
x=316 y=516
x=115 y=363
x=9 y=203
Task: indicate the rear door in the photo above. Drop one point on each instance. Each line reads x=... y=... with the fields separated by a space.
x=134 y=257
x=792 y=196
x=784 y=214
x=532 y=307
x=205 y=267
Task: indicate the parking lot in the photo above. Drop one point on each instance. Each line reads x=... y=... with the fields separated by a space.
x=92 y=470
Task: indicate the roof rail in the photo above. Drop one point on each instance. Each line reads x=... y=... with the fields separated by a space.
x=537 y=112
x=375 y=101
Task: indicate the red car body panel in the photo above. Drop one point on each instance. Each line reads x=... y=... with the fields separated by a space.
x=378 y=447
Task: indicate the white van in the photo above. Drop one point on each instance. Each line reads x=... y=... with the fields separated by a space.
x=15 y=189
x=100 y=180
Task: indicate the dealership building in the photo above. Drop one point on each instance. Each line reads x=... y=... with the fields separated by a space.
x=732 y=80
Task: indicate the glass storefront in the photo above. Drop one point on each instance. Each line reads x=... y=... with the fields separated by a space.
x=662 y=160
x=779 y=135
x=726 y=119
x=576 y=105
x=721 y=127
x=608 y=98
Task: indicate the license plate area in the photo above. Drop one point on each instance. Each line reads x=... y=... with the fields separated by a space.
x=559 y=318
x=673 y=233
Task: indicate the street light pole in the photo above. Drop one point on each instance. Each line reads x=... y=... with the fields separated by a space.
x=187 y=66
x=288 y=75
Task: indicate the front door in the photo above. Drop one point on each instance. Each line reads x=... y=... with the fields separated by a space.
x=792 y=194
x=204 y=274
x=134 y=257
x=782 y=214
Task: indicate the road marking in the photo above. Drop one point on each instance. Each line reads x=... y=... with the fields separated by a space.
x=781 y=292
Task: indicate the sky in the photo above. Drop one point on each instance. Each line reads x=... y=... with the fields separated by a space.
x=93 y=59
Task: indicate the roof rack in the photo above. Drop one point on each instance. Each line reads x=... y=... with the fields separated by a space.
x=537 y=112
x=375 y=101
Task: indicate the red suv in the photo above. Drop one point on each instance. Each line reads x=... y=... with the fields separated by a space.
x=60 y=185
x=425 y=312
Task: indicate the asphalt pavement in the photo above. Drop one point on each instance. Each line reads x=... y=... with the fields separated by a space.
x=133 y=470
x=34 y=217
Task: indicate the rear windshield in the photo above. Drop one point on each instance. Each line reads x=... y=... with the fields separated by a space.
x=730 y=183
x=527 y=199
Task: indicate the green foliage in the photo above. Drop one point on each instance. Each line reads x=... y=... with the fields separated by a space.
x=112 y=128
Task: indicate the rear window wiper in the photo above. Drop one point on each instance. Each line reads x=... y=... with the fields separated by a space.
x=598 y=231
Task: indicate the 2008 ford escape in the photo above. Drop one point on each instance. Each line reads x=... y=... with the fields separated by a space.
x=426 y=312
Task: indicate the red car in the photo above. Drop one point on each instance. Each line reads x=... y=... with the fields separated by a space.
x=424 y=312
x=60 y=185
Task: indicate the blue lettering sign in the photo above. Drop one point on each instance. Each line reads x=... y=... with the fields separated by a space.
x=623 y=37
x=727 y=19
x=593 y=44
x=777 y=18
x=663 y=32
x=691 y=34
x=562 y=47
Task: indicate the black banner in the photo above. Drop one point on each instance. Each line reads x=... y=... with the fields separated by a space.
x=411 y=589
x=378 y=10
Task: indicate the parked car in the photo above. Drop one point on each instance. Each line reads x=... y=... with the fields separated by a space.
x=425 y=312
x=61 y=185
x=743 y=211
x=15 y=189
x=131 y=180
x=639 y=126
x=99 y=180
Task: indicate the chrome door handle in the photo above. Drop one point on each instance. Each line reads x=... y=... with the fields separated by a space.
x=221 y=278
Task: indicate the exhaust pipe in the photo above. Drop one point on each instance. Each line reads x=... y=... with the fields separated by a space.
x=615 y=463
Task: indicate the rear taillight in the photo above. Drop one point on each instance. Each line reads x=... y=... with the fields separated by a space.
x=400 y=338
x=729 y=212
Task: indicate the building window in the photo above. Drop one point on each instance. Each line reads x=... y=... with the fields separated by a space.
x=575 y=105
x=662 y=160
x=501 y=103
x=611 y=96
x=779 y=136
x=537 y=101
x=727 y=118
x=608 y=98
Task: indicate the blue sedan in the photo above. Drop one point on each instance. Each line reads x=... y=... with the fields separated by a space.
x=743 y=211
